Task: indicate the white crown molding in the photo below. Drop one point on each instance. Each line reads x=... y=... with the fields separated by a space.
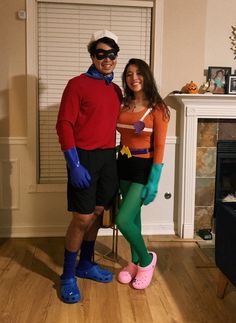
x=130 y=3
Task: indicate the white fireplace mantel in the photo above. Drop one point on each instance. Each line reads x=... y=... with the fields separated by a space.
x=192 y=108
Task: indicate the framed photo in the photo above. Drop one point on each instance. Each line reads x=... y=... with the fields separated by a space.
x=217 y=76
x=231 y=84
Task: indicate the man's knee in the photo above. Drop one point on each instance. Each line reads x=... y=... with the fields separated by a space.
x=83 y=221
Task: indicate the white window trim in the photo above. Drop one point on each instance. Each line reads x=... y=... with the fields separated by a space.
x=31 y=50
x=130 y=3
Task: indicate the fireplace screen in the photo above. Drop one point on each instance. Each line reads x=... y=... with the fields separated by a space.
x=225 y=185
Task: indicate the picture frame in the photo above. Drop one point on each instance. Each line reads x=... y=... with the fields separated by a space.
x=217 y=76
x=231 y=84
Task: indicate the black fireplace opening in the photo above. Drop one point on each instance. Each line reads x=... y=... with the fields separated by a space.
x=225 y=183
x=225 y=208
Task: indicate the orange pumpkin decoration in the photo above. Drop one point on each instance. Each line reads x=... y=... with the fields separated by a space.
x=190 y=88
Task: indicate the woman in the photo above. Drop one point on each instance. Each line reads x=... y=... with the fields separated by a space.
x=142 y=124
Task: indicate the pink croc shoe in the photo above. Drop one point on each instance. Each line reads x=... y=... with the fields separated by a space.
x=144 y=274
x=127 y=273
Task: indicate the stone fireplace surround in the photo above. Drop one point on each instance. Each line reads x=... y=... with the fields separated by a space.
x=192 y=108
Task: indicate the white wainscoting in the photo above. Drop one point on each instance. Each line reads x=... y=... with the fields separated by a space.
x=40 y=213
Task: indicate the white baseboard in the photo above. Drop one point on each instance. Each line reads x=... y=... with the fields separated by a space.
x=31 y=232
x=59 y=231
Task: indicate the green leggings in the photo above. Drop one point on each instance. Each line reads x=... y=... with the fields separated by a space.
x=128 y=221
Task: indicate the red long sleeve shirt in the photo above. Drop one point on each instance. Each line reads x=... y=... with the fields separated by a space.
x=88 y=114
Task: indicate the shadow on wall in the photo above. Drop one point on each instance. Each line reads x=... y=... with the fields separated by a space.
x=5 y=167
x=12 y=112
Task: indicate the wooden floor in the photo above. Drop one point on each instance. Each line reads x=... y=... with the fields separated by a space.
x=183 y=288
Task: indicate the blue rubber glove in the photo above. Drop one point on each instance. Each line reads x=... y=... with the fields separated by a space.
x=149 y=191
x=79 y=175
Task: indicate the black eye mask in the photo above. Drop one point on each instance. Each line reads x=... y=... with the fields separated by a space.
x=102 y=53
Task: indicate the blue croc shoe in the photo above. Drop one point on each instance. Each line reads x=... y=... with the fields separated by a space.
x=69 y=290
x=95 y=273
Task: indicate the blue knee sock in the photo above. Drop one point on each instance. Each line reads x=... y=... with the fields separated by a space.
x=69 y=264
x=86 y=254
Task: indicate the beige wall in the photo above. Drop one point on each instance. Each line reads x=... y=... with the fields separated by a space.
x=12 y=70
x=195 y=35
x=183 y=47
x=183 y=43
x=220 y=17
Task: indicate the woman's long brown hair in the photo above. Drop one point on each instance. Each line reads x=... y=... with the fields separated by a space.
x=149 y=87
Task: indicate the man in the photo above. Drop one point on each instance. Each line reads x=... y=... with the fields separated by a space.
x=86 y=129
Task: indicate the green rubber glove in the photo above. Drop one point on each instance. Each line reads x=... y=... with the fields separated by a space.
x=149 y=191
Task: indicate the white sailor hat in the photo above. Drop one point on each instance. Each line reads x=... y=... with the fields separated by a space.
x=103 y=33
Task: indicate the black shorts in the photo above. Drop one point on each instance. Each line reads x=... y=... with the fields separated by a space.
x=102 y=167
x=134 y=169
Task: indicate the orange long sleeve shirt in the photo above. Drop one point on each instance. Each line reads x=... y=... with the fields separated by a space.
x=153 y=135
